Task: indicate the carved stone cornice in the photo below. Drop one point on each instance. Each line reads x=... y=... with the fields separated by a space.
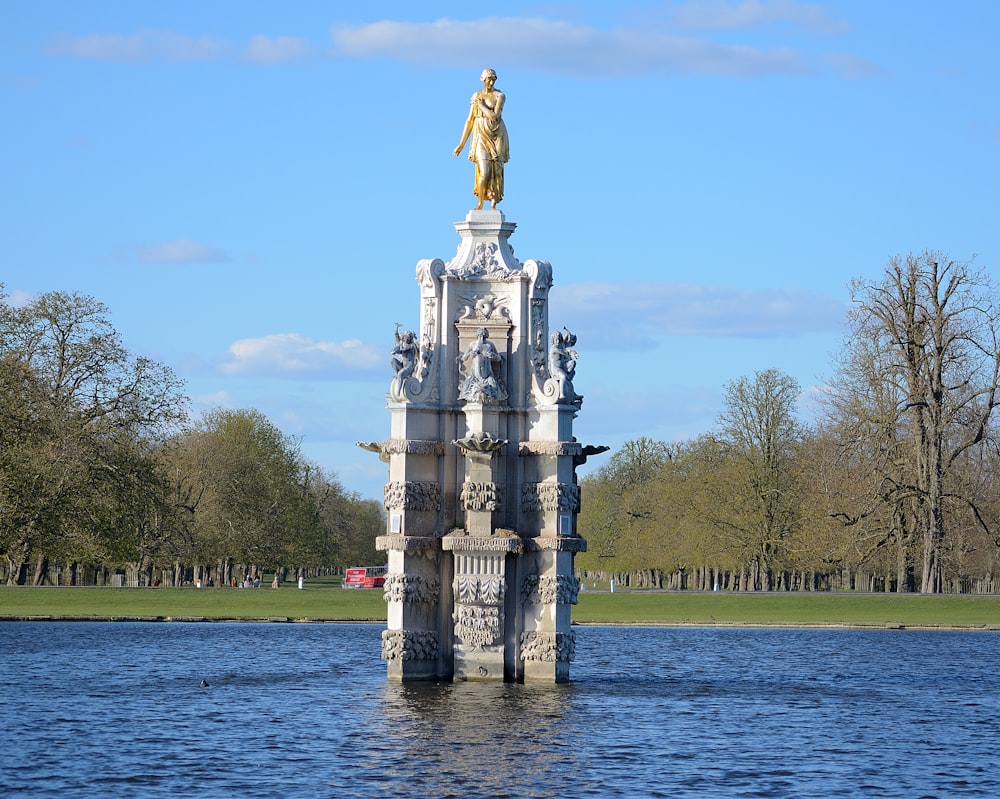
x=408 y=543
x=562 y=543
x=399 y=446
x=482 y=543
x=409 y=645
x=572 y=448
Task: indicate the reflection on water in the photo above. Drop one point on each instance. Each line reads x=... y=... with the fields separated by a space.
x=476 y=739
x=305 y=711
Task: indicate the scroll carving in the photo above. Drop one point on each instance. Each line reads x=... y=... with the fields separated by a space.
x=485 y=262
x=429 y=270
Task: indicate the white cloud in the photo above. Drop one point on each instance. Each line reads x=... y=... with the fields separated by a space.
x=141 y=46
x=632 y=315
x=277 y=49
x=297 y=355
x=755 y=13
x=181 y=251
x=561 y=47
x=16 y=298
x=218 y=399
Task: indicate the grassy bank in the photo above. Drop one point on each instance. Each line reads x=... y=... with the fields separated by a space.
x=326 y=601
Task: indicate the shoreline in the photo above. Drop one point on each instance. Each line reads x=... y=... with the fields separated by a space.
x=688 y=624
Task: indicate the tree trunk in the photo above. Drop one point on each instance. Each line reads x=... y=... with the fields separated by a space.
x=41 y=570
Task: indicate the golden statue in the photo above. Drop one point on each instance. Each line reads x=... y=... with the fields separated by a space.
x=489 y=149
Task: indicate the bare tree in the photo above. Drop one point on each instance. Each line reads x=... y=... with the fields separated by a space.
x=916 y=387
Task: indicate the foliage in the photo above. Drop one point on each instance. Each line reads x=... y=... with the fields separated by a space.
x=78 y=420
x=97 y=465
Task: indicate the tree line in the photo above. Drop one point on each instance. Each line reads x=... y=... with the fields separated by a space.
x=895 y=485
x=101 y=468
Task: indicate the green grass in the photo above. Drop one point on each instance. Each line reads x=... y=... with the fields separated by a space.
x=315 y=602
x=788 y=609
x=325 y=601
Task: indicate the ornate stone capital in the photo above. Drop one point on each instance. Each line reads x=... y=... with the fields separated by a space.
x=412 y=495
x=481 y=496
x=409 y=645
x=562 y=589
x=548 y=647
x=411 y=589
x=478 y=626
x=550 y=496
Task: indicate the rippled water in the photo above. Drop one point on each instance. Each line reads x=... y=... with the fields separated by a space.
x=115 y=709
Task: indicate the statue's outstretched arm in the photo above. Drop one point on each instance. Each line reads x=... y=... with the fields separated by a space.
x=465 y=132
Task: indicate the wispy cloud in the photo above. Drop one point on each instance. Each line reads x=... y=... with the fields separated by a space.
x=628 y=315
x=651 y=42
x=749 y=14
x=15 y=298
x=277 y=49
x=141 y=46
x=556 y=46
x=181 y=251
x=146 y=46
x=292 y=354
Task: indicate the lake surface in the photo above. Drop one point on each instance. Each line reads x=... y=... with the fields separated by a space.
x=303 y=710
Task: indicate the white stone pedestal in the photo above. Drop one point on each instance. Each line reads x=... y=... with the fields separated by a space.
x=482 y=496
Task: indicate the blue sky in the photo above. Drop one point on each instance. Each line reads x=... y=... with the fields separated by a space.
x=249 y=185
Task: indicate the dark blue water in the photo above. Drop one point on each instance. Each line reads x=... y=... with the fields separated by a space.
x=115 y=709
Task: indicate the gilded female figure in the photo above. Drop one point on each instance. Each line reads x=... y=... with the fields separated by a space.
x=489 y=148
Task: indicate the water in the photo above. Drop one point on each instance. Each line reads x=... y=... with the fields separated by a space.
x=115 y=709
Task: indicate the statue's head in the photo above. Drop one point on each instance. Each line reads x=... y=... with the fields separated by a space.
x=488 y=73
x=483 y=334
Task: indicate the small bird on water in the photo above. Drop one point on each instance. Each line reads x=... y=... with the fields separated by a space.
x=204 y=684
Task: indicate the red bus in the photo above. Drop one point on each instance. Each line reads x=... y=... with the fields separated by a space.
x=364 y=577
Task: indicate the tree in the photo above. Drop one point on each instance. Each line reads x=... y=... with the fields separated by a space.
x=81 y=419
x=917 y=384
x=754 y=507
x=241 y=488
x=619 y=508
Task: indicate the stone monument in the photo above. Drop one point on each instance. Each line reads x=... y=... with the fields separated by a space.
x=482 y=496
